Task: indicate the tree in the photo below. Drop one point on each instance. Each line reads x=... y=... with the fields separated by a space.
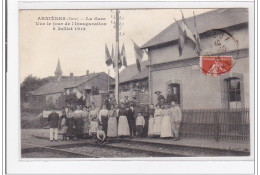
x=71 y=99
x=30 y=83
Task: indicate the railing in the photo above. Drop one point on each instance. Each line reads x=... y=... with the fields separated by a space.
x=231 y=124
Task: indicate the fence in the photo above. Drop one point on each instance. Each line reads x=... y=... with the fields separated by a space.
x=231 y=124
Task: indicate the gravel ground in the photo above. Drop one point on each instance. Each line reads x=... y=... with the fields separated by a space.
x=42 y=155
x=29 y=140
x=105 y=152
x=191 y=152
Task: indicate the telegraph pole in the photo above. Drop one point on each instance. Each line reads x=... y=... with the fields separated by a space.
x=117 y=57
x=116 y=20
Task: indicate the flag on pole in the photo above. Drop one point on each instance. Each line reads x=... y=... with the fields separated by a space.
x=114 y=57
x=123 y=55
x=119 y=59
x=188 y=31
x=138 y=55
x=182 y=38
x=108 y=57
x=112 y=53
x=197 y=37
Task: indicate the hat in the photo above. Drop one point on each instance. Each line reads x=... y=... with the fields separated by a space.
x=157 y=92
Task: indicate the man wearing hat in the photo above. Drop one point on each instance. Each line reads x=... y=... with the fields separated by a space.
x=176 y=117
x=131 y=119
x=160 y=98
x=53 y=120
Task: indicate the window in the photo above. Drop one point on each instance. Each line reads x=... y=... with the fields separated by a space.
x=175 y=90
x=232 y=90
x=234 y=94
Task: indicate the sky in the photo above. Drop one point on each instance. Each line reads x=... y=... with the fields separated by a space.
x=81 y=50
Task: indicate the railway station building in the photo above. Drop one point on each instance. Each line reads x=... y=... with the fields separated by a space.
x=222 y=32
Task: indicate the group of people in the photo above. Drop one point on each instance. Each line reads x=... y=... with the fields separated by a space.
x=125 y=120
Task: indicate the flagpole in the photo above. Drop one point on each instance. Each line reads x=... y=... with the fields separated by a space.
x=108 y=83
x=116 y=58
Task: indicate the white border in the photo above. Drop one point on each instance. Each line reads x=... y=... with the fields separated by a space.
x=15 y=166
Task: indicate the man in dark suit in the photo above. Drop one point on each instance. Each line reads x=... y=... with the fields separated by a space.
x=131 y=120
x=53 y=120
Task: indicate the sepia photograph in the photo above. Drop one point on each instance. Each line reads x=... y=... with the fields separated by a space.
x=135 y=83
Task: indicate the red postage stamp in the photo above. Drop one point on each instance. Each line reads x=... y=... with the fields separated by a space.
x=215 y=65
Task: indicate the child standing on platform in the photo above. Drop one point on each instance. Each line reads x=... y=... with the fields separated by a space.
x=140 y=122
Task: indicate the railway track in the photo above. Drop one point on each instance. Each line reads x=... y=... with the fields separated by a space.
x=55 y=152
x=130 y=148
x=187 y=150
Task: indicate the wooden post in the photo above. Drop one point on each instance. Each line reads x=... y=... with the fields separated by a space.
x=108 y=77
x=150 y=78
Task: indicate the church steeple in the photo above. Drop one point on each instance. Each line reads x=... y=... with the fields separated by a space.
x=58 y=71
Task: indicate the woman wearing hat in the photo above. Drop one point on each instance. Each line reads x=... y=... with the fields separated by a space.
x=166 y=127
x=160 y=97
x=157 y=120
x=123 y=127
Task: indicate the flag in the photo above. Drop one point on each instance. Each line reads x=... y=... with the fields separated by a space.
x=123 y=55
x=108 y=57
x=138 y=55
x=188 y=31
x=112 y=53
x=182 y=38
x=114 y=57
x=119 y=59
x=197 y=37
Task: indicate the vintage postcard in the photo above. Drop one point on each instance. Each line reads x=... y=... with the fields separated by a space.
x=135 y=83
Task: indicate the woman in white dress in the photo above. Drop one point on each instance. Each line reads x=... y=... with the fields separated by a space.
x=112 y=122
x=166 y=125
x=151 y=121
x=123 y=127
x=157 y=120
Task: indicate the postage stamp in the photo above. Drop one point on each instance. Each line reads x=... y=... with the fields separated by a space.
x=216 y=65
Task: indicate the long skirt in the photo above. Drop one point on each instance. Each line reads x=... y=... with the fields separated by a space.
x=166 y=127
x=151 y=126
x=79 y=123
x=86 y=127
x=104 y=121
x=157 y=125
x=93 y=127
x=112 y=127
x=63 y=129
x=71 y=127
x=123 y=127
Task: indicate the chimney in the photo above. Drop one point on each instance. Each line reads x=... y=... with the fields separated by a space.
x=71 y=74
x=87 y=72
